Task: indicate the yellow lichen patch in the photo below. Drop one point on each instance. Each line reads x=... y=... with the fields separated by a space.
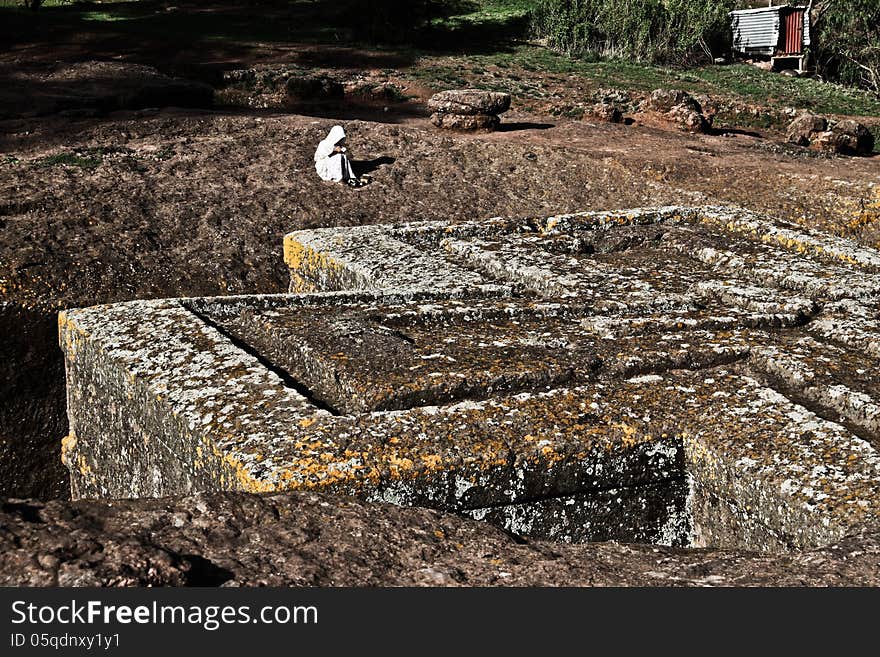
x=304 y=260
x=805 y=247
x=306 y=422
x=630 y=436
x=551 y=454
x=299 y=285
x=432 y=461
x=791 y=241
x=83 y=466
x=867 y=214
x=246 y=482
x=67 y=334
x=68 y=445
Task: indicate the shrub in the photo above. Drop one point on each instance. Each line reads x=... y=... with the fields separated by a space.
x=655 y=31
x=847 y=36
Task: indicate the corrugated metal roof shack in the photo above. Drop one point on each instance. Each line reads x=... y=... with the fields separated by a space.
x=781 y=33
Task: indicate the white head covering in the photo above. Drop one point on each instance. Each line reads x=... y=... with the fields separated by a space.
x=325 y=148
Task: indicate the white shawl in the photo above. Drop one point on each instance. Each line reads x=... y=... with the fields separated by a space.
x=325 y=148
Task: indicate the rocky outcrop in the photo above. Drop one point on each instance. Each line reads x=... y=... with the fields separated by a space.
x=469 y=102
x=307 y=539
x=284 y=86
x=853 y=138
x=609 y=105
x=468 y=109
x=605 y=111
x=678 y=107
x=313 y=87
x=846 y=137
x=803 y=129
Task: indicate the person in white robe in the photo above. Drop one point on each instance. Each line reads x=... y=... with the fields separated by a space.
x=331 y=161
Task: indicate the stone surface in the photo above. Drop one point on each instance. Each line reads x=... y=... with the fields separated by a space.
x=827 y=142
x=689 y=119
x=468 y=110
x=465 y=122
x=678 y=107
x=802 y=130
x=672 y=375
x=606 y=112
x=663 y=100
x=846 y=137
x=854 y=138
x=308 y=539
x=468 y=102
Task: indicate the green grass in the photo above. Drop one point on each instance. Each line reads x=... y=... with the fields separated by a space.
x=89 y=159
x=83 y=158
x=778 y=90
x=487 y=14
x=737 y=81
x=477 y=35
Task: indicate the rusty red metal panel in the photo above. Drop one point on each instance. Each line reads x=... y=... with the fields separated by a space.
x=793 y=29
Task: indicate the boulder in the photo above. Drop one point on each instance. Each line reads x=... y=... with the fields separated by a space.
x=708 y=105
x=469 y=102
x=826 y=142
x=616 y=97
x=679 y=107
x=847 y=137
x=313 y=87
x=853 y=138
x=606 y=112
x=465 y=122
x=689 y=119
x=663 y=100
x=372 y=91
x=803 y=129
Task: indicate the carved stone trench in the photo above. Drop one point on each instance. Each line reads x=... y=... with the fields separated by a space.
x=680 y=376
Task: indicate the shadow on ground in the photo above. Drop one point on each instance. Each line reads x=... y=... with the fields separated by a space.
x=364 y=167
x=514 y=126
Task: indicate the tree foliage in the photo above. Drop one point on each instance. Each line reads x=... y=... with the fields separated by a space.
x=655 y=31
x=847 y=38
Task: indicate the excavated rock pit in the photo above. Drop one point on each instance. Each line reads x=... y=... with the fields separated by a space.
x=676 y=376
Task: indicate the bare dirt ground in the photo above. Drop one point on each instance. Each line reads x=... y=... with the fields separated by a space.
x=196 y=202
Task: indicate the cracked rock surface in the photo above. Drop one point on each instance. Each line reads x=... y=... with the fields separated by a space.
x=307 y=539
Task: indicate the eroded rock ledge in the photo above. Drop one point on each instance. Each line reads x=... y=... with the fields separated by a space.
x=310 y=539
